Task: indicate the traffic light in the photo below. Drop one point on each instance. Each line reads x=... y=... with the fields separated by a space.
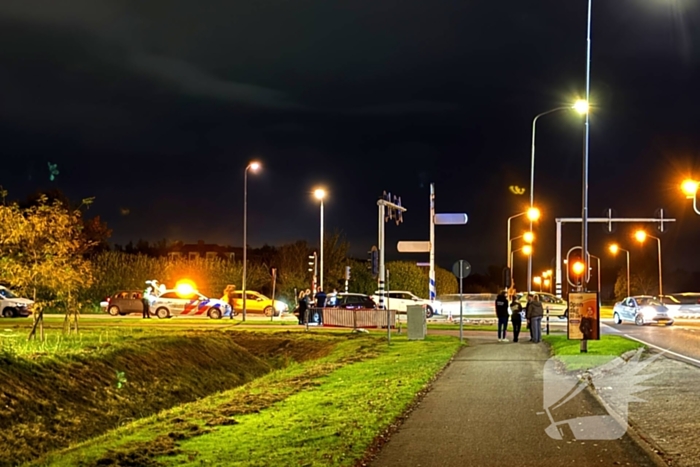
x=506 y=278
x=312 y=263
x=347 y=273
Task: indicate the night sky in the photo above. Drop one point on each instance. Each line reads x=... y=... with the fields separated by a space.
x=155 y=108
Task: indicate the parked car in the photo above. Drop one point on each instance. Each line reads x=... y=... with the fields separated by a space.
x=641 y=310
x=258 y=303
x=171 y=303
x=354 y=301
x=12 y=306
x=124 y=302
x=399 y=300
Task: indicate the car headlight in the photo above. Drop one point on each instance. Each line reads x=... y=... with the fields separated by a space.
x=18 y=305
x=281 y=306
x=648 y=312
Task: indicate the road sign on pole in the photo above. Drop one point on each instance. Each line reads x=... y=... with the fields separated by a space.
x=461 y=269
x=451 y=219
x=413 y=247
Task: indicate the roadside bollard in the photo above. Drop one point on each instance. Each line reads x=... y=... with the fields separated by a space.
x=547 y=309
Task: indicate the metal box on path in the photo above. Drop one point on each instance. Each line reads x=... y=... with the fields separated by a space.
x=416 y=323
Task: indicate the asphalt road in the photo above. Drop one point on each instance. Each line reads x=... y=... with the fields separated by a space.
x=681 y=340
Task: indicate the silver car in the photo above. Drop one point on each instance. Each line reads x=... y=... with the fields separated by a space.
x=641 y=310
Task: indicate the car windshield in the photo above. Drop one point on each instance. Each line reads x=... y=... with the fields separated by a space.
x=7 y=294
x=647 y=301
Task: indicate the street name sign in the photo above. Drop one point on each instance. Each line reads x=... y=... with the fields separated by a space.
x=413 y=247
x=451 y=219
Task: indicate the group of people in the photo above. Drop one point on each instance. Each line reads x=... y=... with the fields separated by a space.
x=532 y=314
x=307 y=300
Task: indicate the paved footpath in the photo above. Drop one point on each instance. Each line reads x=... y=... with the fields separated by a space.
x=486 y=410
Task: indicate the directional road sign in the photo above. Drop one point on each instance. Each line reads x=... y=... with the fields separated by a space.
x=413 y=247
x=451 y=219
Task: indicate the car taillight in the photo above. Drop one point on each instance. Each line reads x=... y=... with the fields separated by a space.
x=109 y=299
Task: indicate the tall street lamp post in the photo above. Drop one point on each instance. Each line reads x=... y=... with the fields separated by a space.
x=320 y=194
x=598 y=259
x=580 y=106
x=584 y=187
x=254 y=166
x=614 y=248
x=527 y=251
x=532 y=214
x=641 y=235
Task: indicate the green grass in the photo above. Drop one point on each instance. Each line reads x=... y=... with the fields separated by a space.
x=324 y=412
x=599 y=352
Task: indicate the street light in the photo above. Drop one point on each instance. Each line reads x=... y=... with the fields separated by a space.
x=526 y=249
x=548 y=285
x=528 y=237
x=578 y=107
x=537 y=280
x=690 y=188
x=320 y=194
x=641 y=236
x=532 y=214
x=614 y=248
x=254 y=166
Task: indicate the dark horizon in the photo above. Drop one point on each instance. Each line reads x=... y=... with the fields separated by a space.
x=157 y=116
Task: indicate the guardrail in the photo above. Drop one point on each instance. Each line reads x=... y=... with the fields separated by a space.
x=361 y=318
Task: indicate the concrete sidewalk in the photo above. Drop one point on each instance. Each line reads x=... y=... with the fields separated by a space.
x=486 y=409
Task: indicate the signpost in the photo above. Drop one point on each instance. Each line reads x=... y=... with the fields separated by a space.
x=438 y=219
x=461 y=269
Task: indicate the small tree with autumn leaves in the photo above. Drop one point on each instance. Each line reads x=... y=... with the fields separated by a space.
x=42 y=250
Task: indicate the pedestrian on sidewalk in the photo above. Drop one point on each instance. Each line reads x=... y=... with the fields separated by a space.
x=516 y=317
x=528 y=324
x=534 y=313
x=502 y=315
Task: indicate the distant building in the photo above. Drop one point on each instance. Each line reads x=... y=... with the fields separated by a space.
x=203 y=250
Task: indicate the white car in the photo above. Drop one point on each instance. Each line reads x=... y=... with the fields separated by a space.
x=556 y=306
x=473 y=304
x=171 y=303
x=11 y=305
x=399 y=300
x=641 y=310
x=682 y=305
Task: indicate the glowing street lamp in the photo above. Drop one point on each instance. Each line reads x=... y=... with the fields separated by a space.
x=320 y=194
x=614 y=249
x=641 y=236
x=527 y=250
x=537 y=280
x=254 y=166
x=532 y=214
x=578 y=267
x=548 y=285
x=690 y=188
x=528 y=237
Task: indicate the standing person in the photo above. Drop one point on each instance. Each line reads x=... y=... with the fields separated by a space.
x=534 y=313
x=502 y=315
x=527 y=315
x=320 y=298
x=229 y=297
x=303 y=305
x=146 y=301
x=516 y=317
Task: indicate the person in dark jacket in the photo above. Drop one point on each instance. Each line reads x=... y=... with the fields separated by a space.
x=502 y=315
x=146 y=303
x=304 y=299
x=534 y=314
x=320 y=298
x=516 y=317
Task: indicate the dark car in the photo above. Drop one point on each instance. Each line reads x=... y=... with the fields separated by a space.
x=125 y=302
x=354 y=301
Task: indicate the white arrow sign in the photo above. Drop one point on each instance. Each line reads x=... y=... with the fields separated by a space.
x=451 y=219
x=413 y=247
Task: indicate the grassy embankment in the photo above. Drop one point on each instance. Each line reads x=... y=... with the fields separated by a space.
x=288 y=409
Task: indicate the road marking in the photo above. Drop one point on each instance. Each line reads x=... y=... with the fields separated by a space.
x=685 y=357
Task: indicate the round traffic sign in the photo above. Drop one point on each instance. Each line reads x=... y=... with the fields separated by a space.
x=461 y=269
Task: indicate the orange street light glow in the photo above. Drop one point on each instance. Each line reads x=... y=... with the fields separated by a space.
x=614 y=248
x=537 y=280
x=527 y=250
x=529 y=237
x=640 y=235
x=254 y=166
x=546 y=282
x=690 y=187
x=578 y=268
x=533 y=214
x=319 y=193
x=185 y=287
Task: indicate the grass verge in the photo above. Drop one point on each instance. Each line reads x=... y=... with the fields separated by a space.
x=323 y=412
x=599 y=352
